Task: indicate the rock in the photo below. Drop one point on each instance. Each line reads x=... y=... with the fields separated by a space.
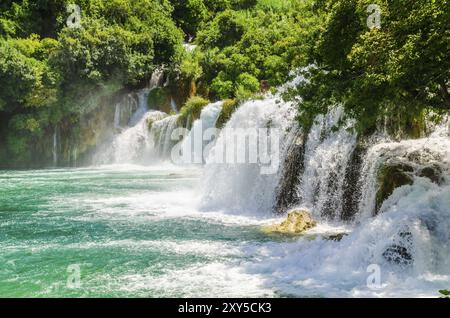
x=293 y=167
x=159 y=99
x=297 y=222
x=432 y=172
x=391 y=176
x=336 y=237
x=398 y=254
x=352 y=189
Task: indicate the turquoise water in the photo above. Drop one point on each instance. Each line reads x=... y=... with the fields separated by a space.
x=131 y=232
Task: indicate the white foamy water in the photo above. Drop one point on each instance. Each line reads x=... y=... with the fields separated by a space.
x=193 y=146
x=327 y=154
x=326 y=268
x=416 y=152
x=241 y=187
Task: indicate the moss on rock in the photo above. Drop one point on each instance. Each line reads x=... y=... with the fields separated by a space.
x=191 y=111
x=228 y=108
x=391 y=176
x=432 y=172
x=297 y=222
x=159 y=99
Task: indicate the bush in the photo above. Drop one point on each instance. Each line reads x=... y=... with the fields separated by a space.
x=189 y=14
x=246 y=86
x=228 y=109
x=221 y=87
x=191 y=111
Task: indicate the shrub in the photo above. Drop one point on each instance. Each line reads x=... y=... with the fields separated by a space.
x=246 y=85
x=221 y=87
x=191 y=111
x=228 y=109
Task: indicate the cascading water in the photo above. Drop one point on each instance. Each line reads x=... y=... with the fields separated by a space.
x=161 y=141
x=417 y=154
x=170 y=240
x=242 y=188
x=408 y=240
x=192 y=151
x=132 y=143
x=327 y=155
x=56 y=145
x=142 y=108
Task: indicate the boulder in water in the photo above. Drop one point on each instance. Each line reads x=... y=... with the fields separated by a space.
x=399 y=253
x=432 y=172
x=336 y=237
x=297 y=222
x=392 y=175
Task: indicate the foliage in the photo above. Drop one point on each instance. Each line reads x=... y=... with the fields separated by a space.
x=52 y=74
x=191 y=111
x=157 y=97
x=398 y=69
x=228 y=108
x=264 y=43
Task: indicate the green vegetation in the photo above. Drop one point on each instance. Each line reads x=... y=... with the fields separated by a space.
x=157 y=97
x=52 y=75
x=241 y=48
x=228 y=108
x=396 y=71
x=192 y=111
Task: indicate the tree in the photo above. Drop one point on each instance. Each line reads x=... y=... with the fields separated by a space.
x=397 y=70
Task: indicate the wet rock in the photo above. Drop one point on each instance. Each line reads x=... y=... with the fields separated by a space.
x=398 y=254
x=286 y=193
x=336 y=237
x=352 y=191
x=432 y=172
x=297 y=222
x=159 y=99
x=392 y=175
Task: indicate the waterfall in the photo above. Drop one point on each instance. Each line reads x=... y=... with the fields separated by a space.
x=125 y=109
x=132 y=140
x=417 y=153
x=142 y=107
x=117 y=116
x=56 y=145
x=327 y=154
x=157 y=78
x=161 y=142
x=208 y=118
x=173 y=105
x=242 y=188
